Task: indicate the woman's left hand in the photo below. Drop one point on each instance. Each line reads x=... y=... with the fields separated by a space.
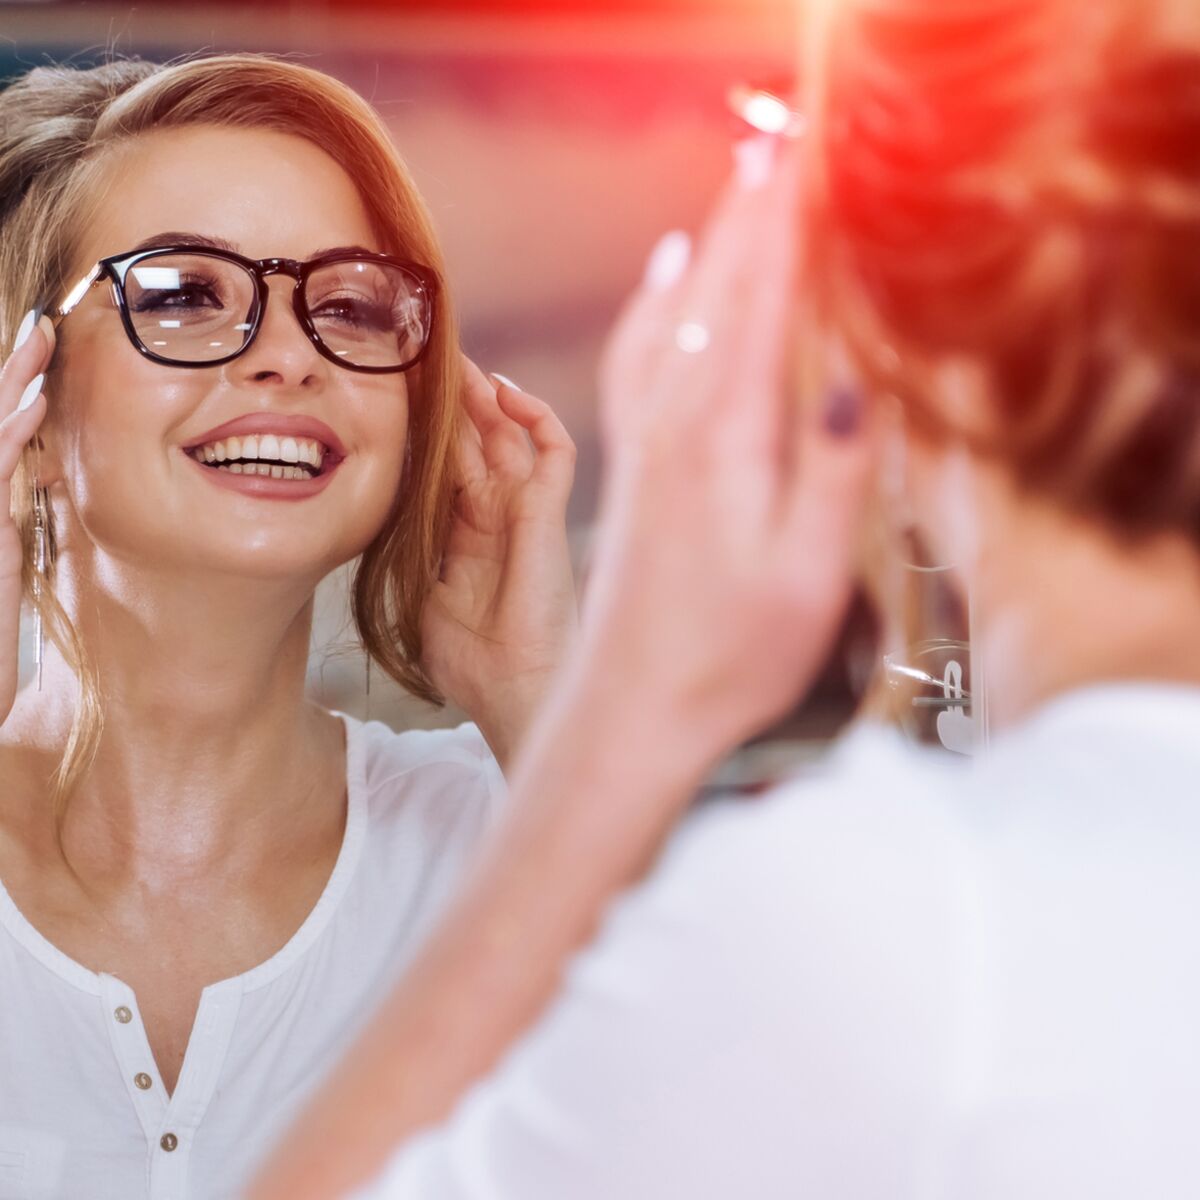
x=502 y=615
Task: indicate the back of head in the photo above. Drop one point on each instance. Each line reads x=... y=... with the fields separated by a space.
x=1006 y=210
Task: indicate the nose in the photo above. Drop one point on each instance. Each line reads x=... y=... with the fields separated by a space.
x=281 y=352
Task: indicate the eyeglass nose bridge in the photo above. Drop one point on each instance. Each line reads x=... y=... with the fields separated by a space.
x=264 y=267
x=280 y=266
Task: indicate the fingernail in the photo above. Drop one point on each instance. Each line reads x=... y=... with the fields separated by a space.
x=754 y=160
x=668 y=261
x=843 y=411
x=30 y=394
x=30 y=319
x=504 y=379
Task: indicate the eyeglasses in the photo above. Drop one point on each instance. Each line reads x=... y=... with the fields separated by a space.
x=184 y=306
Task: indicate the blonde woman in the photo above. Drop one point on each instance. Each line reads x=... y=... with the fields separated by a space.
x=889 y=978
x=245 y=374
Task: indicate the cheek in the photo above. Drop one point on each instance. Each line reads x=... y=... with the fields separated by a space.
x=385 y=445
x=111 y=414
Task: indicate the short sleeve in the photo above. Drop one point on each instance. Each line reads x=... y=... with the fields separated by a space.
x=784 y=980
x=391 y=759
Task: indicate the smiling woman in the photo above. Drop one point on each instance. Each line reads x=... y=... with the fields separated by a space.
x=235 y=369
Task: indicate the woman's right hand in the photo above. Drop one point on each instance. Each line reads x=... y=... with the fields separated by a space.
x=727 y=542
x=20 y=378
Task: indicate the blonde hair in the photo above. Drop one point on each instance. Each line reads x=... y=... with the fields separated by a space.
x=57 y=126
x=1005 y=197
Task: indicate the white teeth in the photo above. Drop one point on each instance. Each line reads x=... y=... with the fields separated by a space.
x=264 y=470
x=284 y=449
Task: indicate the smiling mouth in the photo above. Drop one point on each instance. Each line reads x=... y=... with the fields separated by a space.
x=267 y=455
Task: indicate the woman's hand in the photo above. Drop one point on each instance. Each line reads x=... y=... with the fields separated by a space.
x=500 y=619
x=20 y=383
x=727 y=540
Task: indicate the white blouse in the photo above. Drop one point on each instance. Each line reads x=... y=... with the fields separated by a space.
x=83 y=1112
x=897 y=977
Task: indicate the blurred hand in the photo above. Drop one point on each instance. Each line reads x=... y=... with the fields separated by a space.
x=502 y=616
x=725 y=552
x=16 y=428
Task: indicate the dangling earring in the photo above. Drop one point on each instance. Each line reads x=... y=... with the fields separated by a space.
x=40 y=556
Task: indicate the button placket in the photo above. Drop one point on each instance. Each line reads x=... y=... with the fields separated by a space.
x=134 y=1058
x=182 y=1117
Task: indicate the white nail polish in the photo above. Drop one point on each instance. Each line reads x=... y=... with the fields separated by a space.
x=30 y=394
x=25 y=329
x=753 y=161
x=505 y=380
x=668 y=260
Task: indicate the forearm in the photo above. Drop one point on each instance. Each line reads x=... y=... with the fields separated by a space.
x=592 y=796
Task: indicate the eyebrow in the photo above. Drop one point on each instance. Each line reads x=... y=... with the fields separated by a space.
x=203 y=242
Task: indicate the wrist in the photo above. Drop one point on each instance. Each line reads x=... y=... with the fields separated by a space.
x=508 y=713
x=626 y=727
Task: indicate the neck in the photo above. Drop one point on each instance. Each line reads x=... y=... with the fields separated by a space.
x=1061 y=603
x=208 y=741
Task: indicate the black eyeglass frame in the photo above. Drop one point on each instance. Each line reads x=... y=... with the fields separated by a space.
x=117 y=266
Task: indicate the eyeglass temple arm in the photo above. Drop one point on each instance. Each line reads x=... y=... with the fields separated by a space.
x=77 y=293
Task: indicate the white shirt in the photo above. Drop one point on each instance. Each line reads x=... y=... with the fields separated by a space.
x=898 y=977
x=83 y=1112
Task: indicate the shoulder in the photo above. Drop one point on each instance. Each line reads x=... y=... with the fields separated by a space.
x=876 y=819
x=448 y=770
x=822 y=877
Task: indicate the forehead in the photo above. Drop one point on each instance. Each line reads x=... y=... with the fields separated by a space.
x=270 y=194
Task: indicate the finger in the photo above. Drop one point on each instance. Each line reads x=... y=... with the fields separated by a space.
x=15 y=432
x=24 y=364
x=739 y=244
x=837 y=464
x=502 y=443
x=635 y=341
x=470 y=453
x=751 y=412
x=554 y=466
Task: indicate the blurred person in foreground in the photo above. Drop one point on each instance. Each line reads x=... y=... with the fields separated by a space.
x=252 y=377
x=886 y=978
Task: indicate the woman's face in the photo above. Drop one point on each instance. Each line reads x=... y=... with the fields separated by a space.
x=126 y=437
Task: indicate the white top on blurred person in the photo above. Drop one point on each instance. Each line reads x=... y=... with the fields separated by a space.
x=170 y=786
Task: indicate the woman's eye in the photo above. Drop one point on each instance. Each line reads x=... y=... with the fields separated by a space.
x=187 y=296
x=354 y=310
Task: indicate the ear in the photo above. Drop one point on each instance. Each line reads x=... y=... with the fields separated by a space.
x=41 y=457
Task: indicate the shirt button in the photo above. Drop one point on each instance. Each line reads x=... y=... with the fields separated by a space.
x=143 y=1081
x=123 y=1015
x=168 y=1142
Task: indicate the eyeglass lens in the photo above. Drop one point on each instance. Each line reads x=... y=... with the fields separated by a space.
x=196 y=308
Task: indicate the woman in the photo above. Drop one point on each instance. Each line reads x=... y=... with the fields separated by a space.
x=248 y=375
x=890 y=977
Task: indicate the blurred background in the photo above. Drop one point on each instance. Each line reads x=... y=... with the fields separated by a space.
x=554 y=142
